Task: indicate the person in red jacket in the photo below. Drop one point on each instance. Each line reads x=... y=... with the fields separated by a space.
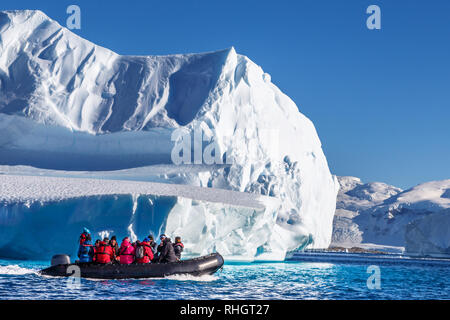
x=144 y=253
x=115 y=246
x=103 y=253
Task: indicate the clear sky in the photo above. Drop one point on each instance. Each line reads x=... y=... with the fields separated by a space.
x=380 y=99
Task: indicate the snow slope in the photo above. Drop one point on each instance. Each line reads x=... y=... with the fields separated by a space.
x=68 y=104
x=377 y=213
x=429 y=236
x=27 y=189
x=354 y=197
x=387 y=222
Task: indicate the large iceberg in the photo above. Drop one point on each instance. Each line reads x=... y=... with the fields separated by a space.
x=68 y=104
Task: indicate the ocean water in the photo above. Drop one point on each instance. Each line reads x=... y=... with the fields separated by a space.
x=286 y=280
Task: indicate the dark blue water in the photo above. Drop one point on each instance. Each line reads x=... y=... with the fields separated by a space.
x=288 y=280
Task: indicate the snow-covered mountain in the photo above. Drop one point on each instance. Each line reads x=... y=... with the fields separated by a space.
x=376 y=213
x=68 y=104
x=429 y=236
x=353 y=198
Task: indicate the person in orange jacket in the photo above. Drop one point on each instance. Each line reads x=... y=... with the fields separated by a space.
x=144 y=253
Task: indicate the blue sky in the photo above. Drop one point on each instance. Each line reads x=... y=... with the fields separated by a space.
x=380 y=99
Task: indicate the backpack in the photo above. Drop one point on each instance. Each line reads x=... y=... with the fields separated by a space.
x=140 y=252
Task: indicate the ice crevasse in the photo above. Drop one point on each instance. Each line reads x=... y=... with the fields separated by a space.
x=69 y=105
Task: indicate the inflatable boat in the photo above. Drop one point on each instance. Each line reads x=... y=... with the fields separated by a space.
x=61 y=267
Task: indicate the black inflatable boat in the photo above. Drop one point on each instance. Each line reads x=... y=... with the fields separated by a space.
x=61 y=267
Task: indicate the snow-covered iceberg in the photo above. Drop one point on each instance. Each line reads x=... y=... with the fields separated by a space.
x=68 y=104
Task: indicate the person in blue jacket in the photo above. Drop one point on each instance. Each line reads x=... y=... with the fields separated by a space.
x=86 y=250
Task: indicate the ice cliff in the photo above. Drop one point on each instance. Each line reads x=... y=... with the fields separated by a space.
x=68 y=104
x=48 y=211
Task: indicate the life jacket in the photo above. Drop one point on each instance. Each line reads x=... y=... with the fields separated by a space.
x=178 y=249
x=115 y=250
x=103 y=253
x=85 y=251
x=123 y=249
x=83 y=237
x=179 y=244
x=126 y=253
x=85 y=248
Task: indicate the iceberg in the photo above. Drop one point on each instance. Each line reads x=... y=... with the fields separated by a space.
x=68 y=105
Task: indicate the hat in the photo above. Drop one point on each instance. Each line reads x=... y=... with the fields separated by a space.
x=146 y=240
x=86 y=230
x=163 y=236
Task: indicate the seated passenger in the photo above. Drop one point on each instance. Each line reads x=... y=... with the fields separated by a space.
x=166 y=252
x=96 y=246
x=178 y=247
x=126 y=252
x=160 y=246
x=115 y=246
x=153 y=244
x=144 y=253
x=104 y=253
x=86 y=250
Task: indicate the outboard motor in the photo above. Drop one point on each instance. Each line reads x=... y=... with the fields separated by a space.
x=60 y=259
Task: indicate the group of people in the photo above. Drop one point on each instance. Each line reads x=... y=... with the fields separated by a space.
x=147 y=251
